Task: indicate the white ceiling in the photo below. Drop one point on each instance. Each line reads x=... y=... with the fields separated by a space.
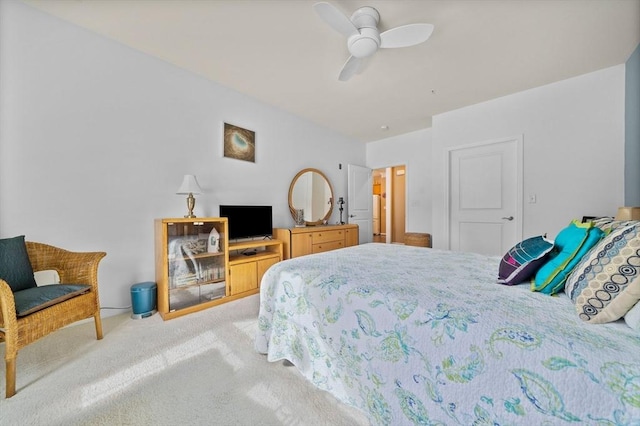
x=282 y=53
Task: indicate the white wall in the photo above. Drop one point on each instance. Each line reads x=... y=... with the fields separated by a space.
x=573 y=147
x=95 y=138
x=414 y=151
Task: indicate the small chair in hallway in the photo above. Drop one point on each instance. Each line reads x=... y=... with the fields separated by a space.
x=417 y=239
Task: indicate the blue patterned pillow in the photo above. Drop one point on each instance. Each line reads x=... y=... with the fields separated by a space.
x=522 y=261
x=605 y=285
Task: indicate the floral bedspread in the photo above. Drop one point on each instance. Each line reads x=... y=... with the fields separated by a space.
x=412 y=335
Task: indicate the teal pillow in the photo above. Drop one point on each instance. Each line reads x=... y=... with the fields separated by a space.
x=571 y=244
x=34 y=299
x=15 y=267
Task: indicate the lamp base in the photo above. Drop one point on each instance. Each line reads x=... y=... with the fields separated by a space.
x=191 y=203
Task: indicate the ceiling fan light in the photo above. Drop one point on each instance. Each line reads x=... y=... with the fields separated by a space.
x=365 y=43
x=363 y=47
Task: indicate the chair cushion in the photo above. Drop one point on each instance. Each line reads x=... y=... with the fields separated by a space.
x=15 y=267
x=34 y=299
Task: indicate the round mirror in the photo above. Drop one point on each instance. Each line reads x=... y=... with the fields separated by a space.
x=311 y=193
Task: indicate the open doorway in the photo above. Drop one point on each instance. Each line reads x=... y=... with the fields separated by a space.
x=389 y=201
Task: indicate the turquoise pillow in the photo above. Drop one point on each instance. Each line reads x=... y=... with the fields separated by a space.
x=570 y=245
x=15 y=266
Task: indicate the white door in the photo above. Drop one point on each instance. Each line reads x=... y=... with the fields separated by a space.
x=376 y=214
x=485 y=196
x=360 y=201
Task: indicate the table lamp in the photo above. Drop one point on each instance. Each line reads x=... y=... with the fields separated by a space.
x=628 y=213
x=190 y=186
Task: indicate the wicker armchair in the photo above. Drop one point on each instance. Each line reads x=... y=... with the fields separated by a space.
x=18 y=332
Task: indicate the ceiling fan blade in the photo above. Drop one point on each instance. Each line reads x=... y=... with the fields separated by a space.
x=406 y=35
x=350 y=68
x=364 y=64
x=336 y=19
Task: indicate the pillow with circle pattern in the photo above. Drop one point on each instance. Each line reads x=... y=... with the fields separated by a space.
x=605 y=284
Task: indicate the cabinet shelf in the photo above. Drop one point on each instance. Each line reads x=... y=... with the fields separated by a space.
x=193 y=256
x=197 y=283
x=264 y=249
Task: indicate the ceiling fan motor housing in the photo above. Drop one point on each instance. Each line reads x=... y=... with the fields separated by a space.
x=365 y=43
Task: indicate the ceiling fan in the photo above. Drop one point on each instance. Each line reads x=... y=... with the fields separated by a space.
x=364 y=38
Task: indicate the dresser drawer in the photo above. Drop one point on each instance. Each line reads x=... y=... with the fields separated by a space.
x=326 y=236
x=329 y=245
x=315 y=239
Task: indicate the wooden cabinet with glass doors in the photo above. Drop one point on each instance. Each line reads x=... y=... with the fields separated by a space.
x=192 y=260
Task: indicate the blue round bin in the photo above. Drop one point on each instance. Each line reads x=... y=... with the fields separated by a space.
x=143 y=299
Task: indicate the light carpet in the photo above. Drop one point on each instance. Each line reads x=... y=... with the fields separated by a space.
x=200 y=369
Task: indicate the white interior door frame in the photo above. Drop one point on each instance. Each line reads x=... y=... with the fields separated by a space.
x=518 y=139
x=360 y=200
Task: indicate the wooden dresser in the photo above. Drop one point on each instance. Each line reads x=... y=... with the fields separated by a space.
x=316 y=239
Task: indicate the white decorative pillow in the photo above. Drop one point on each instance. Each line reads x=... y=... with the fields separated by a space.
x=49 y=276
x=609 y=224
x=605 y=284
x=632 y=318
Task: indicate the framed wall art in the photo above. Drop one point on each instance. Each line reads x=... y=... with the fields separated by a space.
x=239 y=143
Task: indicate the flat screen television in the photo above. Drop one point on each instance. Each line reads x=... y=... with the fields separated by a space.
x=248 y=221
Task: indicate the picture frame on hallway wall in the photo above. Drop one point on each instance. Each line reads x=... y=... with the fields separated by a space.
x=239 y=143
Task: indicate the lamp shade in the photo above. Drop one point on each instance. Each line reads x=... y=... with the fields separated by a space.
x=189 y=185
x=628 y=213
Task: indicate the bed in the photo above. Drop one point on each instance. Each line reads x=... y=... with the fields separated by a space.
x=413 y=335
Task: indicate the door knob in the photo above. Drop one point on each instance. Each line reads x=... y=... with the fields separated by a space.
x=508 y=218
x=352 y=215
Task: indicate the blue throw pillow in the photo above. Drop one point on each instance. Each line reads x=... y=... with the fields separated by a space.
x=522 y=261
x=15 y=267
x=570 y=245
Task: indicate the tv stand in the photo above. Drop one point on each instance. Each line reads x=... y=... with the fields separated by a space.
x=246 y=268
